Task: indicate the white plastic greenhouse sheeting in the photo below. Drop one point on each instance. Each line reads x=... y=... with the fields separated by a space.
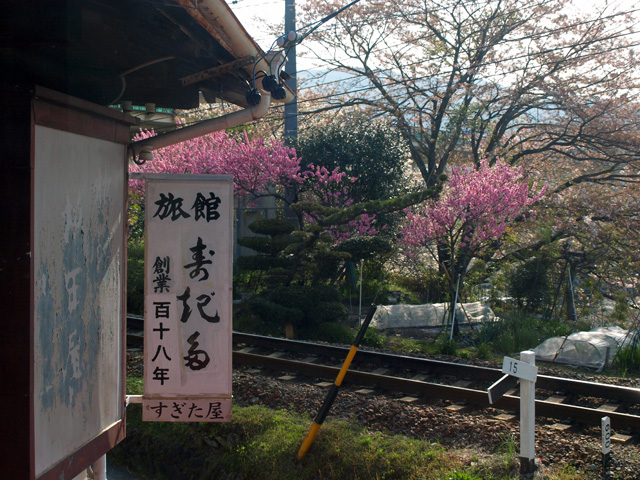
x=428 y=315
x=592 y=349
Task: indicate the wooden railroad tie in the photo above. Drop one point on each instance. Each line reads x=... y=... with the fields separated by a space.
x=556 y=399
x=364 y=391
x=560 y=427
x=505 y=417
x=620 y=438
x=609 y=407
x=409 y=399
x=455 y=408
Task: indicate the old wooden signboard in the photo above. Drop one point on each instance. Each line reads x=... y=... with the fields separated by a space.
x=62 y=283
x=188 y=298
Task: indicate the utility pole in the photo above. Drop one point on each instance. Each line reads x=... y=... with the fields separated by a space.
x=291 y=108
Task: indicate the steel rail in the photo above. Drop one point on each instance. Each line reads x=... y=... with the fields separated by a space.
x=478 y=398
x=423 y=365
x=543 y=382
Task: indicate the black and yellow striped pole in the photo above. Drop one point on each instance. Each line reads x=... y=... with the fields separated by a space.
x=333 y=392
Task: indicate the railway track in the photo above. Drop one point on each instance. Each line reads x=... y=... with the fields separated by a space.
x=557 y=398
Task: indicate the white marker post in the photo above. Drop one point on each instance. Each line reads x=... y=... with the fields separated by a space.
x=606 y=442
x=526 y=371
x=528 y=416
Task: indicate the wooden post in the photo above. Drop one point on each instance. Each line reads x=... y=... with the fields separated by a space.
x=527 y=419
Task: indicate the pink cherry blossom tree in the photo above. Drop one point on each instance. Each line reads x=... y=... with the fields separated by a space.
x=259 y=168
x=473 y=211
x=329 y=188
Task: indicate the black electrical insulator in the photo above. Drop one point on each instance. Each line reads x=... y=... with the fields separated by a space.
x=279 y=93
x=253 y=97
x=270 y=83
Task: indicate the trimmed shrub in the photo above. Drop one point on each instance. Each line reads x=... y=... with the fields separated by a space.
x=329 y=332
x=303 y=306
x=274 y=313
x=261 y=262
x=268 y=246
x=365 y=247
x=272 y=227
x=327 y=312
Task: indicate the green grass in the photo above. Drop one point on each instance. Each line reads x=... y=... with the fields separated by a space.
x=263 y=443
x=135 y=385
x=520 y=331
x=341 y=450
x=627 y=361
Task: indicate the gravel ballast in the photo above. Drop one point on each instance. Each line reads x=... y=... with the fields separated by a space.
x=474 y=429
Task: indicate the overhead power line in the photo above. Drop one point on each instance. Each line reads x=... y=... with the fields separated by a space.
x=402 y=82
x=399 y=67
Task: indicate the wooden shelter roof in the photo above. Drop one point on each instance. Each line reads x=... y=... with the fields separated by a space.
x=144 y=51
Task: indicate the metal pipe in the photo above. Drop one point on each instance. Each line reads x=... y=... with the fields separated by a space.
x=99 y=468
x=453 y=315
x=573 y=300
x=144 y=148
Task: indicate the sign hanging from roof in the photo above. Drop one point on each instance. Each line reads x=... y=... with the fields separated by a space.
x=188 y=297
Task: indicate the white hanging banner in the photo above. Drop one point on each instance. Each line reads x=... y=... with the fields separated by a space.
x=188 y=298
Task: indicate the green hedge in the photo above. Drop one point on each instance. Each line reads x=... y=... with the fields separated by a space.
x=303 y=306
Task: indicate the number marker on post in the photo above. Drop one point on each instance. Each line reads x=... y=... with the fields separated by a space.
x=520 y=369
x=606 y=442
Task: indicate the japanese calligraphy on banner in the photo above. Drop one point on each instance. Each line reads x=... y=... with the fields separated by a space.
x=188 y=298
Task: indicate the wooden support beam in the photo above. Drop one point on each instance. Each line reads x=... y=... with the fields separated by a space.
x=217 y=71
